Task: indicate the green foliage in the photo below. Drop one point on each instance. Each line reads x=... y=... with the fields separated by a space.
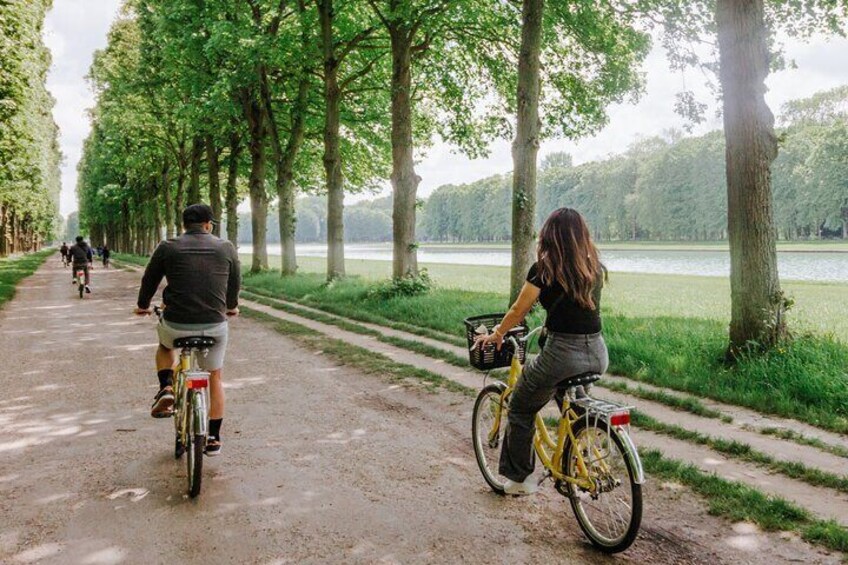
x=411 y=285
x=29 y=151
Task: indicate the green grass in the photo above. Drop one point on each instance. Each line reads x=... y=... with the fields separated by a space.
x=819 y=307
x=684 y=404
x=801 y=439
x=357 y=357
x=132 y=259
x=739 y=502
x=414 y=346
x=15 y=269
x=805 y=380
x=744 y=452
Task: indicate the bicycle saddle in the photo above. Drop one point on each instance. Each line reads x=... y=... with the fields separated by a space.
x=581 y=379
x=194 y=342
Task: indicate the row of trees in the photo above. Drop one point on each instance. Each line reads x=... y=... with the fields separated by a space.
x=29 y=151
x=671 y=188
x=269 y=98
x=364 y=83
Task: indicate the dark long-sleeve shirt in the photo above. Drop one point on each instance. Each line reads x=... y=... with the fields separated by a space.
x=81 y=254
x=203 y=276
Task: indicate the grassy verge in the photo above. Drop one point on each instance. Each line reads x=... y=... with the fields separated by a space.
x=801 y=439
x=819 y=307
x=684 y=404
x=131 y=259
x=357 y=357
x=744 y=452
x=414 y=346
x=806 y=380
x=739 y=502
x=15 y=269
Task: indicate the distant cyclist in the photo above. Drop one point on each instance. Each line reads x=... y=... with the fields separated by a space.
x=81 y=257
x=64 y=250
x=204 y=277
x=105 y=254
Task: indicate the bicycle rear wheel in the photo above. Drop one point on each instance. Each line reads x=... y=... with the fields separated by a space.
x=487 y=433
x=81 y=289
x=195 y=443
x=611 y=517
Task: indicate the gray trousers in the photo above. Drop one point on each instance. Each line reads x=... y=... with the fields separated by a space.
x=564 y=356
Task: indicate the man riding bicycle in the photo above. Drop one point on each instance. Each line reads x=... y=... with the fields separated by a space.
x=81 y=257
x=64 y=252
x=203 y=279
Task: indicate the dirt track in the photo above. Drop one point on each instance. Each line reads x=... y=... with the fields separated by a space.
x=320 y=463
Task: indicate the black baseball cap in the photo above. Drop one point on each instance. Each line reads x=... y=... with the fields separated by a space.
x=198 y=214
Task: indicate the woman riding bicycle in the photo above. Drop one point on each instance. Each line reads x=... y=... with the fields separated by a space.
x=567 y=279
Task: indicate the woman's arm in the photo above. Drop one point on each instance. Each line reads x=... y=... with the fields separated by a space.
x=526 y=299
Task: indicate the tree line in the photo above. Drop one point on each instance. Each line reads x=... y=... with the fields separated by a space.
x=29 y=151
x=288 y=95
x=266 y=99
x=672 y=187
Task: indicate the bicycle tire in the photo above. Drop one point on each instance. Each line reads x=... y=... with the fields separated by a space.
x=81 y=290
x=195 y=443
x=490 y=393
x=606 y=545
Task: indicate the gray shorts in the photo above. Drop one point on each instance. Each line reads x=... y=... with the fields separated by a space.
x=214 y=358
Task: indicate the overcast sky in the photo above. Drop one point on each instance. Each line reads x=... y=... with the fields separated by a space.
x=76 y=28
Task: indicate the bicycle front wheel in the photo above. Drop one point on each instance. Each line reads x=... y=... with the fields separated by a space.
x=195 y=443
x=610 y=517
x=487 y=428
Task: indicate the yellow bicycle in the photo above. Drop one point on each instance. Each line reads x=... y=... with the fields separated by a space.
x=590 y=456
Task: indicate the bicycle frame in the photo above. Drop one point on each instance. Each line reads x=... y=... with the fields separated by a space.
x=550 y=450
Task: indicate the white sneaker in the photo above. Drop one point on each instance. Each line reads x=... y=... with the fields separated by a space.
x=529 y=486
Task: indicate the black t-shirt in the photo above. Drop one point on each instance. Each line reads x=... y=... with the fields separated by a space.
x=568 y=316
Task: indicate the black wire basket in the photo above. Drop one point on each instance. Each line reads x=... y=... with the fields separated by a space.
x=488 y=358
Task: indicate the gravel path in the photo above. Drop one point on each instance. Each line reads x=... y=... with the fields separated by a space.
x=320 y=463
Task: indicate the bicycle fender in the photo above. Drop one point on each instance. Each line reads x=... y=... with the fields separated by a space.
x=200 y=414
x=633 y=455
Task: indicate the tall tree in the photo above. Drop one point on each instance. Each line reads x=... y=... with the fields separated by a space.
x=525 y=148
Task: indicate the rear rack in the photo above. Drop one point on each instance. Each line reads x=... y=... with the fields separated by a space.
x=598 y=407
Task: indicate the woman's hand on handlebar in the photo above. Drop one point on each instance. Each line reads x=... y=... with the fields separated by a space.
x=495 y=337
x=142 y=311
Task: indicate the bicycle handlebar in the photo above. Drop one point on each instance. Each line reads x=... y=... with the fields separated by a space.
x=524 y=339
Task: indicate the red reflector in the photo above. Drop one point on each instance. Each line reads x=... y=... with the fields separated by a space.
x=620 y=419
x=201 y=383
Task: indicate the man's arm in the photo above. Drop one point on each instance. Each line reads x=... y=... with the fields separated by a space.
x=234 y=280
x=152 y=277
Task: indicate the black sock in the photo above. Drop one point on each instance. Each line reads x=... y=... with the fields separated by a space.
x=215 y=428
x=166 y=378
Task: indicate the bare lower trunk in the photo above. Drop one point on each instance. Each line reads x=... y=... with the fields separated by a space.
x=258 y=196
x=756 y=308
x=194 y=177
x=284 y=160
x=179 y=201
x=165 y=188
x=404 y=180
x=214 y=182
x=332 y=152
x=525 y=148
x=232 y=188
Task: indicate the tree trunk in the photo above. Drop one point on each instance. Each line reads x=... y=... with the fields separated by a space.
x=232 y=188
x=756 y=308
x=525 y=148
x=258 y=196
x=179 y=200
x=166 y=194
x=284 y=160
x=194 y=178
x=404 y=180
x=214 y=183
x=332 y=151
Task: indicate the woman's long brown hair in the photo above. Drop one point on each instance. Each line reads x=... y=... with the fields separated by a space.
x=567 y=255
